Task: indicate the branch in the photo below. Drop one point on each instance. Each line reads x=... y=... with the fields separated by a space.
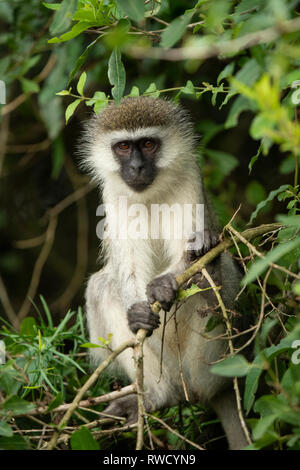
x=92 y=401
x=175 y=432
x=222 y=48
x=181 y=279
x=91 y=380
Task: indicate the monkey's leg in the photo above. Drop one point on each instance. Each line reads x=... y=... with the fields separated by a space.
x=224 y=404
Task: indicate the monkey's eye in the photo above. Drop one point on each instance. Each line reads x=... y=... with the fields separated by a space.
x=123 y=146
x=149 y=144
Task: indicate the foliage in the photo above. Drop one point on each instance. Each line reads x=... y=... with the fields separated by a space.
x=236 y=65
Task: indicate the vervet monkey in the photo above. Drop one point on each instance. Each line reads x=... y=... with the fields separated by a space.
x=144 y=150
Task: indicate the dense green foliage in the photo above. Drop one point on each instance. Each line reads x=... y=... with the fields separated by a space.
x=236 y=66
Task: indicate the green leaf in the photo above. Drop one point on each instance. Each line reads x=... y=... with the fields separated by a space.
x=252 y=381
x=261 y=265
x=224 y=164
x=71 y=109
x=134 y=91
x=213 y=322
x=270 y=198
x=262 y=426
x=235 y=366
x=116 y=75
x=83 y=440
x=5 y=429
x=63 y=93
x=28 y=327
x=240 y=104
x=270 y=405
x=81 y=83
x=254 y=158
x=185 y=293
x=29 y=86
x=152 y=90
x=99 y=101
x=296 y=288
x=290 y=220
x=255 y=192
x=90 y=345
x=189 y=88
x=175 y=30
x=81 y=59
x=135 y=9
x=63 y=16
x=226 y=72
x=261 y=124
x=30 y=63
x=55 y=402
x=16 y=406
x=52 y=6
x=13 y=443
x=75 y=31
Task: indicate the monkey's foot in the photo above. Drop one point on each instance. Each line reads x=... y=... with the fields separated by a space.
x=140 y=315
x=200 y=243
x=163 y=289
x=124 y=407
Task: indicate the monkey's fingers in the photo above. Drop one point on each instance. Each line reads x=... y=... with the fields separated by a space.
x=163 y=289
x=141 y=316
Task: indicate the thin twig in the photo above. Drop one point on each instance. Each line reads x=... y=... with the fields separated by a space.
x=258 y=253
x=38 y=267
x=92 y=401
x=231 y=348
x=139 y=381
x=180 y=362
x=175 y=432
x=8 y=308
x=91 y=380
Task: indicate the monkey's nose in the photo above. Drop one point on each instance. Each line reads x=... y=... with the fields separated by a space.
x=136 y=165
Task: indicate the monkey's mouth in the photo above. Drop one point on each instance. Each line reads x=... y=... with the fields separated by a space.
x=138 y=182
x=138 y=186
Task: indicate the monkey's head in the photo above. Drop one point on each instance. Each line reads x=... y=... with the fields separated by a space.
x=138 y=141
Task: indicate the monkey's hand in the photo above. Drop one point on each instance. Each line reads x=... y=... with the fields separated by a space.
x=163 y=288
x=200 y=243
x=140 y=315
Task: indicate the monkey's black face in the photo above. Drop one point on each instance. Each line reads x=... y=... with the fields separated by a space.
x=137 y=160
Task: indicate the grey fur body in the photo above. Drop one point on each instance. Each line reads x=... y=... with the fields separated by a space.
x=130 y=265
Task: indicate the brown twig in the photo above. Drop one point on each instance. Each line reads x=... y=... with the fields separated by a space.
x=38 y=267
x=180 y=361
x=175 y=432
x=8 y=108
x=139 y=381
x=258 y=253
x=9 y=310
x=231 y=348
x=91 y=380
x=93 y=401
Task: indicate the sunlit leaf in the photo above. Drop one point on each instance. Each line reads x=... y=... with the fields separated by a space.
x=116 y=75
x=71 y=109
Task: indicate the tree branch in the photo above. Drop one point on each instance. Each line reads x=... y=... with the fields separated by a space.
x=222 y=48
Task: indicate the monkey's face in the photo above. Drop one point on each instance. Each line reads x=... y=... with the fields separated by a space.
x=137 y=159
